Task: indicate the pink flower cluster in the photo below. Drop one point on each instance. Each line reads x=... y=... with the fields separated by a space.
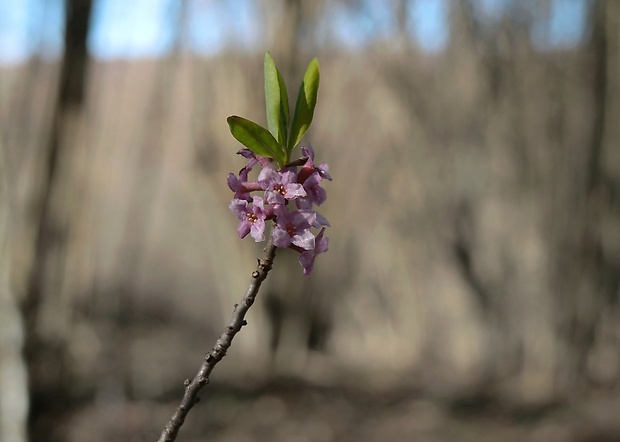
x=289 y=195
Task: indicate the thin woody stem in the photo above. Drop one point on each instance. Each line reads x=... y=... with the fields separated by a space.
x=193 y=387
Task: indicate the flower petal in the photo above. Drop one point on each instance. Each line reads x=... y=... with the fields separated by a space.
x=280 y=237
x=243 y=229
x=304 y=239
x=239 y=207
x=258 y=230
x=306 y=259
x=320 y=221
x=293 y=191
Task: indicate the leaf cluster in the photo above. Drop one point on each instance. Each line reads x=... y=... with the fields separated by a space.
x=283 y=134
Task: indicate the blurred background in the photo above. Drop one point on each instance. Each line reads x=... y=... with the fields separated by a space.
x=471 y=291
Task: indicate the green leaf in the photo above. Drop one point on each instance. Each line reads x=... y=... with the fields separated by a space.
x=276 y=99
x=256 y=138
x=304 y=107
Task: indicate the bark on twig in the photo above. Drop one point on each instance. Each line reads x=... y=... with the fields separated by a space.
x=193 y=387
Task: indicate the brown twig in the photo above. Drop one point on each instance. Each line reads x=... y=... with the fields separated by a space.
x=193 y=387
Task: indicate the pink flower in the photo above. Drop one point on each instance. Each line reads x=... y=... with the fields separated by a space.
x=252 y=218
x=306 y=258
x=241 y=186
x=293 y=228
x=309 y=168
x=298 y=181
x=280 y=185
x=315 y=194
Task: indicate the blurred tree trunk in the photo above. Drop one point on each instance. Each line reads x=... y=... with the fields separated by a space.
x=13 y=383
x=595 y=336
x=605 y=159
x=44 y=354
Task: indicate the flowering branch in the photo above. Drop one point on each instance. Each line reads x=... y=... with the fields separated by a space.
x=193 y=387
x=290 y=190
x=292 y=187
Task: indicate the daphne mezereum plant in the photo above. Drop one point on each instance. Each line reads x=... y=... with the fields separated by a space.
x=284 y=192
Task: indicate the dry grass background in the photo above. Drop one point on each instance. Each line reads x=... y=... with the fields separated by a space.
x=461 y=298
